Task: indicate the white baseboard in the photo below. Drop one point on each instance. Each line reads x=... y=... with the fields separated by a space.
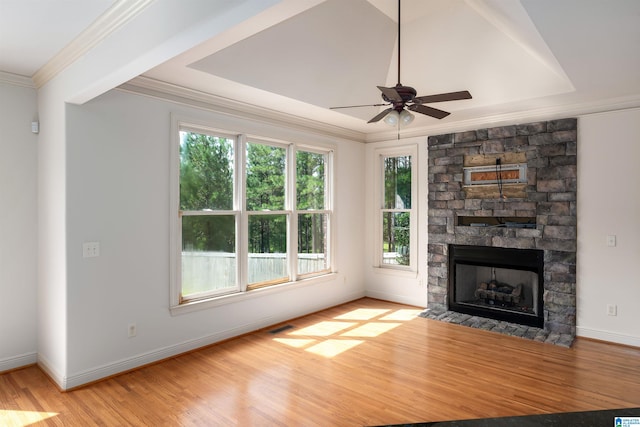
x=608 y=336
x=129 y=363
x=400 y=299
x=123 y=365
x=55 y=375
x=18 y=361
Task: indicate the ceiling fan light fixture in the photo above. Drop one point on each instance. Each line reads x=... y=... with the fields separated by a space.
x=392 y=118
x=406 y=118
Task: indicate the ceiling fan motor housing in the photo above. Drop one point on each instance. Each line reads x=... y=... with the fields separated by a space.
x=407 y=93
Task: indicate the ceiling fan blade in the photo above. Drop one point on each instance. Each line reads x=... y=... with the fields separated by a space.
x=442 y=97
x=381 y=115
x=357 y=106
x=391 y=93
x=429 y=111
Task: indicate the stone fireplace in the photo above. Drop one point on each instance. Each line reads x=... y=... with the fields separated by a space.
x=525 y=200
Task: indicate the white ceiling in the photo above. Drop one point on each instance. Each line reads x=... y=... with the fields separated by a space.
x=300 y=57
x=33 y=31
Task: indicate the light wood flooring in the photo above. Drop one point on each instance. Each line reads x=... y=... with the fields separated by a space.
x=368 y=362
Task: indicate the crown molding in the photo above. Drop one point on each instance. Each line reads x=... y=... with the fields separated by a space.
x=181 y=95
x=178 y=94
x=16 y=80
x=121 y=12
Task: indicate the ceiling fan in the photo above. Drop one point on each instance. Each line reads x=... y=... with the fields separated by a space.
x=401 y=98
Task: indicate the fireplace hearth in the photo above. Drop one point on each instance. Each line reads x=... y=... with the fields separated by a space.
x=497 y=283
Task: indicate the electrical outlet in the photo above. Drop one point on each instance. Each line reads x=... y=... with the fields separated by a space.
x=90 y=249
x=612 y=310
x=132 y=330
x=611 y=240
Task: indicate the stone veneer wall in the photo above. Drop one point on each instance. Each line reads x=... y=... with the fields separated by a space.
x=551 y=153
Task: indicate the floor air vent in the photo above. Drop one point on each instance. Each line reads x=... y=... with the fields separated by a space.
x=280 y=329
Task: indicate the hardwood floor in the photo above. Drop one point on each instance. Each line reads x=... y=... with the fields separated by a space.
x=368 y=362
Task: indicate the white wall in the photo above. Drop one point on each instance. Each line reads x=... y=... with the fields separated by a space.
x=118 y=194
x=385 y=283
x=609 y=204
x=18 y=226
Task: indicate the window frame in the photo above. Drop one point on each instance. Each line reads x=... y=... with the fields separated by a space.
x=235 y=211
x=246 y=213
x=243 y=289
x=328 y=210
x=381 y=154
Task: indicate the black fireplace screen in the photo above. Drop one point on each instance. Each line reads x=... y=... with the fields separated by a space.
x=499 y=283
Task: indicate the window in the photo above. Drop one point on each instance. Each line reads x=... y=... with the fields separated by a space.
x=312 y=213
x=396 y=220
x=267 y=214
x=208 y=215
x=250 y=213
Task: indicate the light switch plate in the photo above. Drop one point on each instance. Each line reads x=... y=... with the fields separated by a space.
x=90 y=249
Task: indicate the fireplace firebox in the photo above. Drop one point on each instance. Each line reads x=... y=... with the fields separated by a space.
x=498 y=283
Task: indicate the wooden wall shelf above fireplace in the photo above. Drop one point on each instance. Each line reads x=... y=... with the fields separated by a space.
x=492 y=221
x=492 y=191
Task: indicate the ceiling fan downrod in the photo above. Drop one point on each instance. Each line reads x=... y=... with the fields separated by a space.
x=402 y=100
x=399 y=84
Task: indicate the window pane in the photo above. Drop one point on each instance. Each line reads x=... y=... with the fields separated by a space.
x=265 y=177
x=267 y=248
x=397 y=182
x=395 y=238
x=206 y=172
x=312 y=243
x=310 y=180
x=208 y=253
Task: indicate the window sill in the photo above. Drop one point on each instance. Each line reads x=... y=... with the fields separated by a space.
x=217 y=301
x=397 y=272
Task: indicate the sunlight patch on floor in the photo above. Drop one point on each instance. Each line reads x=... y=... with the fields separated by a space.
x=371 y=329
x=295 y=342
x=331 y=348
x=363 y=314
x=323 y=329
x=23 y=418
x=330 y=338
